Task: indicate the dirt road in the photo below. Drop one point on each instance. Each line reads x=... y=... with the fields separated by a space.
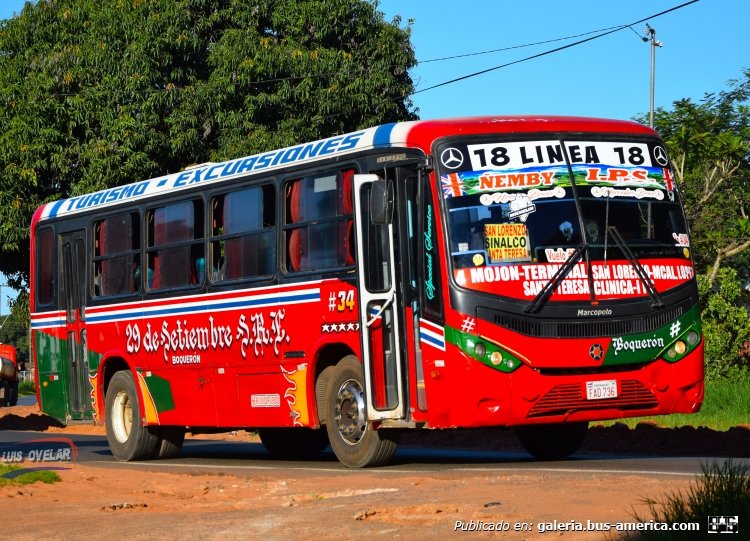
x=108 y=503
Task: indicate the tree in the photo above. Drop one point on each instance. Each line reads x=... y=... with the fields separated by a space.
x=726 y=325
x=709 y=143
x=99 y=93
x=710 y=147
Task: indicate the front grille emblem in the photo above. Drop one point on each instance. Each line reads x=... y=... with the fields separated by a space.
x=596 y=352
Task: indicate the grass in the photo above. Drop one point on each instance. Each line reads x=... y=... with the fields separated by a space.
x=723 y=490
x=26 y=388
x=44 y=476
x=726 y=405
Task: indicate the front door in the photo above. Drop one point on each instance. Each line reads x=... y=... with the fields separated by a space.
x=379 y=308
x=73 y=297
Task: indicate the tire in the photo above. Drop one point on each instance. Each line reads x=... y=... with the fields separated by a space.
x=354 y=440
x=12 y=393
x=128 y=439
x=293 y=442
x=552 y=441
x=170 y=442
x=3 y=393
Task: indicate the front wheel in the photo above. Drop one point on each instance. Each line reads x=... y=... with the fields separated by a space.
x=128 y=438
x=353 y=439
x=552 y=441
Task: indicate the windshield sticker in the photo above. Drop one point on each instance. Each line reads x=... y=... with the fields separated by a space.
x=637 y=193
x=559 y=255
x=599 y=177
x=614 y=280
x=532 y=195
x=507 y=242
x=681 y=239
x=521 y=207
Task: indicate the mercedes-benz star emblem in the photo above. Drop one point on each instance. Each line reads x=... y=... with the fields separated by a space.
x=452 y=158
x=660 y=155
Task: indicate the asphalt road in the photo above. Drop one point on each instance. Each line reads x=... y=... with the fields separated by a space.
x=218 y=456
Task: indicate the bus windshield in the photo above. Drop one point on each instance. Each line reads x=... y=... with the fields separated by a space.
x=526 y=214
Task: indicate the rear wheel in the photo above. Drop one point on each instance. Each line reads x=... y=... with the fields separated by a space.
x=354 y=440
x=293 y=442
x=128 y=439
x=11 y=393
x=552 y=441
x=171 y=439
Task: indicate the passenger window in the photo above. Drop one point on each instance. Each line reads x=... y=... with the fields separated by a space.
x=175 y=255
x=117 y=258
x=45 y=266
x=243 y=236
x=319 y=225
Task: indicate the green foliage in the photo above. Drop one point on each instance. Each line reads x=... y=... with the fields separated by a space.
x=99 y=93
x=709 y=143
x=726 y=404
x=26 y=388
x=723 y=490
x=726 y=325
x=44 y=476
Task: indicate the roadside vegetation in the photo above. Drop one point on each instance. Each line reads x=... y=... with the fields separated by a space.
x=27 y=478
x=26 y=388
x=723 y=490
x=726 y=405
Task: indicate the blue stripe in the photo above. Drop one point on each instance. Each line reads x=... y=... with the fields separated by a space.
x=205 y=308
x=382 y=135
x=55 y=207
x=432 y=340
x=51 y=323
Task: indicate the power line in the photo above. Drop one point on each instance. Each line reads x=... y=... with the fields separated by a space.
x=512 y=47
x=557 y=49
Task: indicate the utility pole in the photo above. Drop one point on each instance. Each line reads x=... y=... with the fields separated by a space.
x=651 y=33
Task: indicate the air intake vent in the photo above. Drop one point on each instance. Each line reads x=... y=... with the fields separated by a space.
x=584 y=328
x=572 y=397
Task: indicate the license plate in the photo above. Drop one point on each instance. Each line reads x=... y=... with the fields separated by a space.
x=599 y=390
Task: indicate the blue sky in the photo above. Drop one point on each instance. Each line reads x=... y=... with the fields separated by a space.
x=705 y=45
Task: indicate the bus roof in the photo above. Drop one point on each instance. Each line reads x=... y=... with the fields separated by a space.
x=416 y=134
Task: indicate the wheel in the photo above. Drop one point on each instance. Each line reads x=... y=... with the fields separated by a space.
x=354 y=440
x=170 y=443
x=128 y=439
x=552 y=441
x=3 y=393
x=12 y=393
x=293 y=442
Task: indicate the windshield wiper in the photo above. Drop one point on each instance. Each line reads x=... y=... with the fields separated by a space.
x=558 y=277
x=648 y=284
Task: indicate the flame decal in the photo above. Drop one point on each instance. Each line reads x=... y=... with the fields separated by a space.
x=296 y=394
x=95 y=397
x=149 y=407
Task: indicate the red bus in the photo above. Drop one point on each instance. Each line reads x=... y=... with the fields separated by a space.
x=8 y=376
x=526 y=272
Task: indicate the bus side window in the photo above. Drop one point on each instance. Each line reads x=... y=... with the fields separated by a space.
x=244 y=233
x=45 y=266
x=175 y=245
x=116 y=255
x=320 y=227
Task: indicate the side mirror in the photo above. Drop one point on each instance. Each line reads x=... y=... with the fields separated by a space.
x=381 y=202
